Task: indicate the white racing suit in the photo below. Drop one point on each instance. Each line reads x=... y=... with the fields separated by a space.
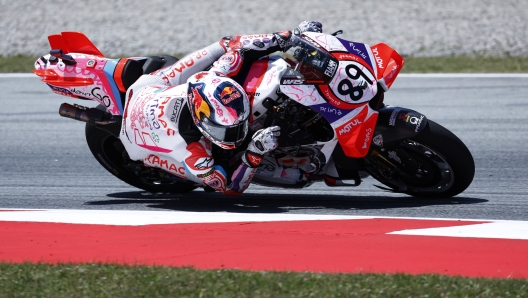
x=158 y=129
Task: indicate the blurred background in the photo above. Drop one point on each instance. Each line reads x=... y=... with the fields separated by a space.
x=418 y=28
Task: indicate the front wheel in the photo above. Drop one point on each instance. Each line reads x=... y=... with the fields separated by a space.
x=111 y=154
x=434 y=164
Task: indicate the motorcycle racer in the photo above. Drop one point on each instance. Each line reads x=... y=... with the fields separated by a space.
x=164 y=126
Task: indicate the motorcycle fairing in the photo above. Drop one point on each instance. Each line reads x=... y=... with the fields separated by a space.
x=82 y=81
x=343 y=99
x=396 y=124
x=388 y=63
x=362 y=52
x=375 y=65
x=261 y=83
x=355 y=134
x=84 y=73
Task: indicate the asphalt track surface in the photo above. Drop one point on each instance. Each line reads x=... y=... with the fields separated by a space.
x=46 y=164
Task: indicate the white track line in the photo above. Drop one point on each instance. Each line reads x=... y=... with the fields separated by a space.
x=139 y=218
x=501 y=230
x=498 y=229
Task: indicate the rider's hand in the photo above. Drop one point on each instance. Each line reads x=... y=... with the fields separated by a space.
x=308 y=26
x=285 y=38
x=264 y=140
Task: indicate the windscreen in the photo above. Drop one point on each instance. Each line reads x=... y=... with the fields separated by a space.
x=315 y=64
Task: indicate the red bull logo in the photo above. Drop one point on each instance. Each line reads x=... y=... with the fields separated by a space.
x=229 y=94
x=200 y=105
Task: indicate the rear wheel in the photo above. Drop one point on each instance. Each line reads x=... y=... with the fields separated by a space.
x=435 y=164
x=111 y=154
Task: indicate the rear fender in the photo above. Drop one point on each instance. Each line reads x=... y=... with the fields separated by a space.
x=396 y=124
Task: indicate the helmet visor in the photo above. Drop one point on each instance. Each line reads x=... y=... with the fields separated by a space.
x=232 y=135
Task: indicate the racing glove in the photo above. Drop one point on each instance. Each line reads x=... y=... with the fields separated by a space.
x=284 y=38
x=264 y=140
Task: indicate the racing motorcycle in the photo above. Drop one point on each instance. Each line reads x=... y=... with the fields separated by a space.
x=326 y=93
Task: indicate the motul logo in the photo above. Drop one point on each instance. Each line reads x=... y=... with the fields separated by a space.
x=292 y=82
x=349 y=126
x=378 y=59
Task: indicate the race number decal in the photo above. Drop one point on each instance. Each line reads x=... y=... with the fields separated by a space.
x=353 y=83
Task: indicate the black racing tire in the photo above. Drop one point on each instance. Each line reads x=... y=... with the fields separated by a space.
x=110 y=153
x=433 y=164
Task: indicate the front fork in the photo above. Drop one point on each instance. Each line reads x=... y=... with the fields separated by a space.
x=395 y=124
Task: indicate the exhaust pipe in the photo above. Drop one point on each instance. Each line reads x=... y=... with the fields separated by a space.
x=100 y=119
x=85 y=114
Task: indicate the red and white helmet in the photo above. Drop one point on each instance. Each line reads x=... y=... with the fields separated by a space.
x=219 y=107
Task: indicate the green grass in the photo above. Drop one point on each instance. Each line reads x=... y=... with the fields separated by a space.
x=465 y=64
x=17 y=63
x=39 y=280
x=412 y=64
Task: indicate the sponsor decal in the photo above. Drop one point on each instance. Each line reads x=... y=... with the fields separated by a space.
x=176 y=110
x=413 y=120
x=218 y=109
x=331 y=68
x=367 y=137
x=214 y=179
x=94 y=93
x=359 y=50
x=161 y=108
x=204 y=163
x=392 y=119
x=378 y=140
x=151 y=114
x=155 y=137
x=61 y=91
x=379 y=61
x=159 y=162
x=252 y=159
x=199 y=103
x=330 y=110
x=393 y=71
x=91 y=63
x=229 y=94
x=418 y=123
x=347 y=57
x=179 y=66
x=252 y=95
x=292 y=82
x=228 y=57
x=348 y=127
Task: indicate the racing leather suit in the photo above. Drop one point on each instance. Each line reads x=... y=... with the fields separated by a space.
x=158 y=128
